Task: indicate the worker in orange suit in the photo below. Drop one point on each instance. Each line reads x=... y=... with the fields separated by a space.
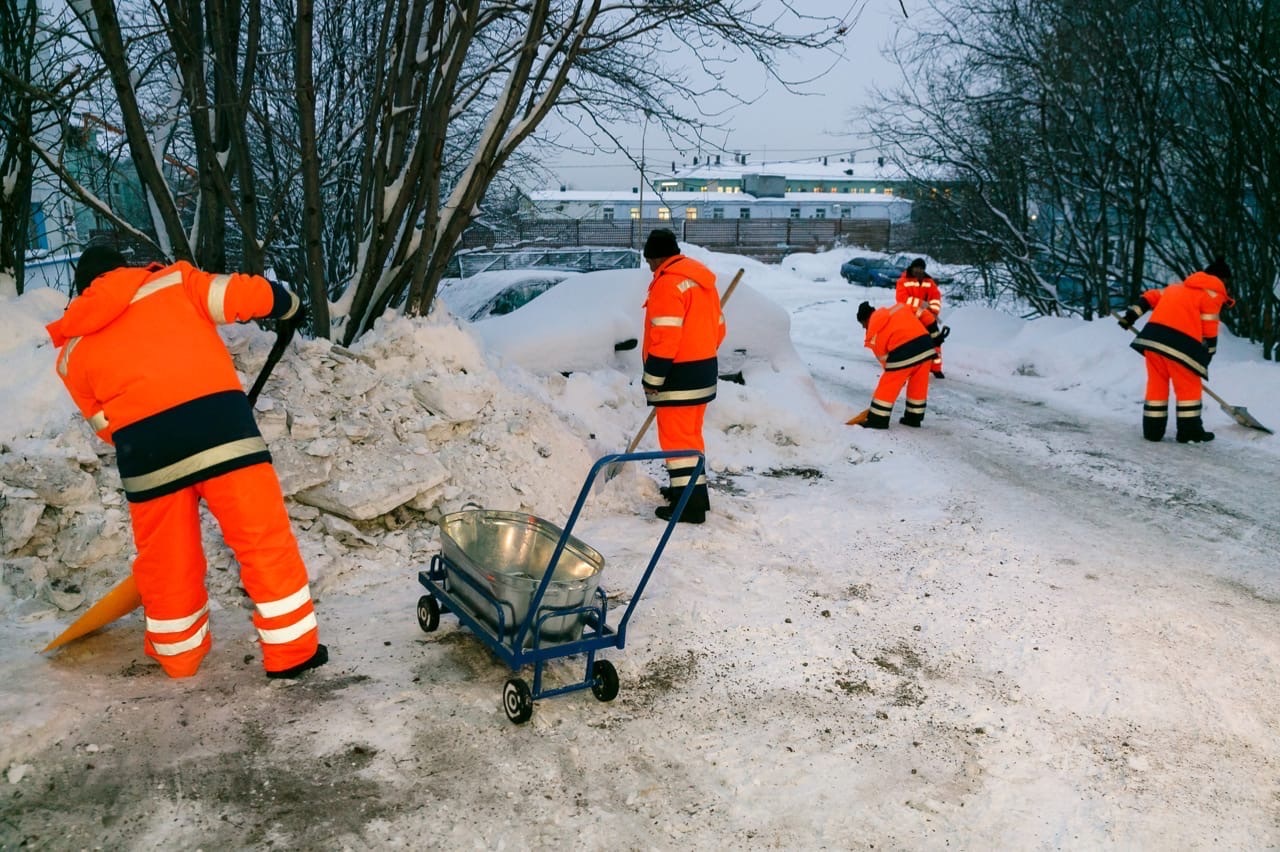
x=1178 y=342
x=683 y=329
x=141 y=355
x=918 y=291
x=904 y=347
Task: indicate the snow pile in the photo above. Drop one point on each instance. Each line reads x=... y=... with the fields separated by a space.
x=373 y=444
x=409 y=425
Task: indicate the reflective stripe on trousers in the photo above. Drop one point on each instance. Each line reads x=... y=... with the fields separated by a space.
x=170 y=570
x=680 y=428
x=890 y=385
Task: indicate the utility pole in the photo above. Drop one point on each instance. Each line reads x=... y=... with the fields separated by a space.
x=640 y=221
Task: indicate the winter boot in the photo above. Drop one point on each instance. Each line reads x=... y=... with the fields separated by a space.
x=695 y=511
x=914 y=414
x=1193 y=432
x=318 y=659
x=1190 y=424
x=875 y=420
x=1155 y=417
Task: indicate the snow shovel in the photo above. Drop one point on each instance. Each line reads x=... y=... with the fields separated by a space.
x=859 y=418
x=119 y=602
x=612 y=470
x=1238 y=413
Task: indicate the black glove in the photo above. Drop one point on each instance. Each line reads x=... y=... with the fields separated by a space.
x=944 y=333
x=1129 y=318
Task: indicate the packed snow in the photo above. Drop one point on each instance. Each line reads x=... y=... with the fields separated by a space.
x=1021 y=626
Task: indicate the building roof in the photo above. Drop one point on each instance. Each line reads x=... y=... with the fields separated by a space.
x=727 y=198
x=812 y=170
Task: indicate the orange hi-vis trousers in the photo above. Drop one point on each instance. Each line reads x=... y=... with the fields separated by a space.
x=170 y=570
x=1187 y=387
x=886 y=393
x=680 y=428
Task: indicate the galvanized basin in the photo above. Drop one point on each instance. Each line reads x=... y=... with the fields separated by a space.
x=507 y=554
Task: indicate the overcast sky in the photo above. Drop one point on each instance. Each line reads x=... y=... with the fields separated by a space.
x=778 y=125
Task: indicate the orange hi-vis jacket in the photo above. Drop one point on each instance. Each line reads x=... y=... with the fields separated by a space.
x=921 y=295
x=1184 y=320
x=142 y=358
x=683 y=329
x=898 y=338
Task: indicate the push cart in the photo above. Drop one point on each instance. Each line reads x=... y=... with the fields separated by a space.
x=530 y=590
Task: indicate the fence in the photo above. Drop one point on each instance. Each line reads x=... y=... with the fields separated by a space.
x=767 y=240
x=467 y=263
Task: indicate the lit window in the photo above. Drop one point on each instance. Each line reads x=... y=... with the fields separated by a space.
x=888 y=190
x=691 y=212
x=635 y=212
x=664 y=213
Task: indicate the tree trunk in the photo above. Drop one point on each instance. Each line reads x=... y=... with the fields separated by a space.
x=312 y=248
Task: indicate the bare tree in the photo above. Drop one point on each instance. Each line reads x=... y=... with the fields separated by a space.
x=1098 y=145
x=18 y=46
x=373 y=131
x=512 y=64
x=1223 y=179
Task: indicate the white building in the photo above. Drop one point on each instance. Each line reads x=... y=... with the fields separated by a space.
x=613 y=205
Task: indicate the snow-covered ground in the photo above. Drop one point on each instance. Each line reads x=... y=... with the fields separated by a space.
x=1019 y=627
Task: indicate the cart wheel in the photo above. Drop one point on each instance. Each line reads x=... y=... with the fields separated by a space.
x=604 y=680
x=428 y=613
x=517 y=700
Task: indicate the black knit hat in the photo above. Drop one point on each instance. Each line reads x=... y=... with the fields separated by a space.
x=918 y=263
x=661 y=244
x=96 y=261
x=1219 y=268
x=864 y=313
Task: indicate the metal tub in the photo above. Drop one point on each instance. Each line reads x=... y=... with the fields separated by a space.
x=504 y=556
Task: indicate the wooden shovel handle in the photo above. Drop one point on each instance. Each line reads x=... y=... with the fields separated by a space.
x=653 y=412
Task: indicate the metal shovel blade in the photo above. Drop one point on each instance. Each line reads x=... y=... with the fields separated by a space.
x=1242 y=416
x=1238 y=413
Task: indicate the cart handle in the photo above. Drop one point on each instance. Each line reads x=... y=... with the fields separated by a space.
x=604 y=461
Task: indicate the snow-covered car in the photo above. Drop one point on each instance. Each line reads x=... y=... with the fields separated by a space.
x=872 y=272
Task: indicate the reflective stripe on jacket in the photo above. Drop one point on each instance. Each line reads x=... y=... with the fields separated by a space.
x=897 y=338
x=683 y=328
x=1184 y=320
x=143 y=360
x=919 y=294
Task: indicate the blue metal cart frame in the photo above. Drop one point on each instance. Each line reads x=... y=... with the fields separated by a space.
x=600 y=675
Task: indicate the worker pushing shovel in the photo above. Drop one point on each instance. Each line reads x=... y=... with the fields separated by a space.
x=1178 y=342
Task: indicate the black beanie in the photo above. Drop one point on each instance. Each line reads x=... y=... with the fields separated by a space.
x=1219 y=268
x=95 y=261
x=661 y=244
x=918 y=263
x=864 y=313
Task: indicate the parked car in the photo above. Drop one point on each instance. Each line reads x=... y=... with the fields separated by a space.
x=873 y=271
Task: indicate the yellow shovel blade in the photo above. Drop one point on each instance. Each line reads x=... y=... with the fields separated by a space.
x=118 y=602
x=860 y=417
